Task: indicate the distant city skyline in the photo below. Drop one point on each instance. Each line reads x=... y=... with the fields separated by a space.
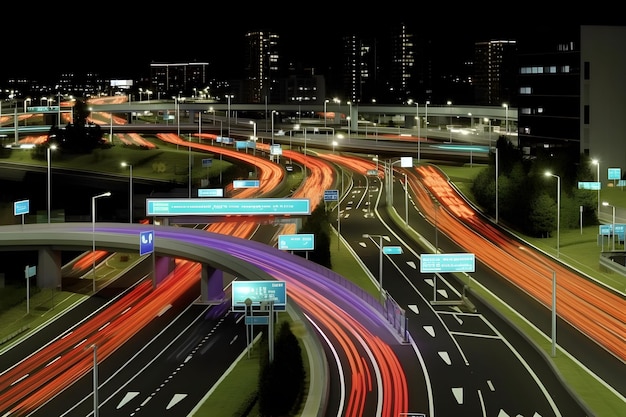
x=123 y=43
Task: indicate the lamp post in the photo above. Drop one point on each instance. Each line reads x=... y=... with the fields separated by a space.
x=449 y=103
x=506 y=119
x=325 y=103
x=272 y=113
x=348 y=119
x=558 y=210
x=253 y=123
x=177 y=115
x=130 y=192
x=48 y=157
x=426 y=121
x=604 y=203
x=93 y=234
x=334 y=144
x=596 y=162
x=96 y=411
x=380 y=259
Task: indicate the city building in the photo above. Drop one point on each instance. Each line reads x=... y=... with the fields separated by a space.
x=494 y=72
x=569 y=95
x=261 y=67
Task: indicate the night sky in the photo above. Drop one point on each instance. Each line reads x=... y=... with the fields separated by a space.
x=120 y=41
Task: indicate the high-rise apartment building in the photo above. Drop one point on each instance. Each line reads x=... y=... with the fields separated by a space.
x=494 y=72
x=261 y=67
x=401 y=65
x=186 y=79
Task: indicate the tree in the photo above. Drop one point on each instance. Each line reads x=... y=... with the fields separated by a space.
x=79 y=136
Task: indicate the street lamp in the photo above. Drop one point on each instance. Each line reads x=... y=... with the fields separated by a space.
x=596 y=162
x=604 y=203
x=426 y=121
x=273 y=112
x=253 y=123
x=130 y=193
x=449 y=103
x=334 y=144
x=93 y=234
x=325 y=103
x=48 y=157
x=380 y=259
x=96 y=412
x=558 y=210
x=506 y=119
x=177 y=115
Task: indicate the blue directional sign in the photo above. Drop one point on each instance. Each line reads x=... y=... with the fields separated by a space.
x=207 y=162
x=589 y=185
x=258 y=292
x=301 y=241
x=331 y=195
x=257 y=320
x=447 y=262
x=614 y=173
x=392 y=250
x=146 y=242
x=21 y=207
x=246 y=184
x=227 y=206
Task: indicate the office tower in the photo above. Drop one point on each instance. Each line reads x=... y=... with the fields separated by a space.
x=261 y=67
x=494 y=72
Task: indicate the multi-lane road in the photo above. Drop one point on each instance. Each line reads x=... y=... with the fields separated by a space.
x=447 y=342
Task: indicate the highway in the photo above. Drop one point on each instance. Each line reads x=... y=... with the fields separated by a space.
x=451 y=323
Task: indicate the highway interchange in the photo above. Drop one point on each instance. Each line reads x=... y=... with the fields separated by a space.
x=443 y=355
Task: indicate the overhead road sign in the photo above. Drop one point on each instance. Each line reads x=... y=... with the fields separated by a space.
x=227 y=206
x=392 y=250
x=42 y=109
x=447 y=262
x=246 y=184
x=259 y=292
x=589 y=185
x=300 y=241
x=210 y=192
x=331 y=195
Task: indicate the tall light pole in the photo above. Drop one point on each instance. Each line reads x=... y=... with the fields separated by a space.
x=604 y=203
x=96 y=411
x=349 y=117
x=93 y=234
x=506 y=119
x=558 y=210
x=272 y=113
x=426 y=121
x=130 y=192
x=380 y=260
x=325 y=103
x=49 y=158
x=253 y=123
x=177 y=114
x=449 y=103
x=596 y=162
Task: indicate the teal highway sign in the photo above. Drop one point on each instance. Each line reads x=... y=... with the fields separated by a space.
x=257 y=292
x=447 y=262
x=227 y=206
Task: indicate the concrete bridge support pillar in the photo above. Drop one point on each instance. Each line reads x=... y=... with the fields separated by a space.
x=48 y=268
x=212 y=285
